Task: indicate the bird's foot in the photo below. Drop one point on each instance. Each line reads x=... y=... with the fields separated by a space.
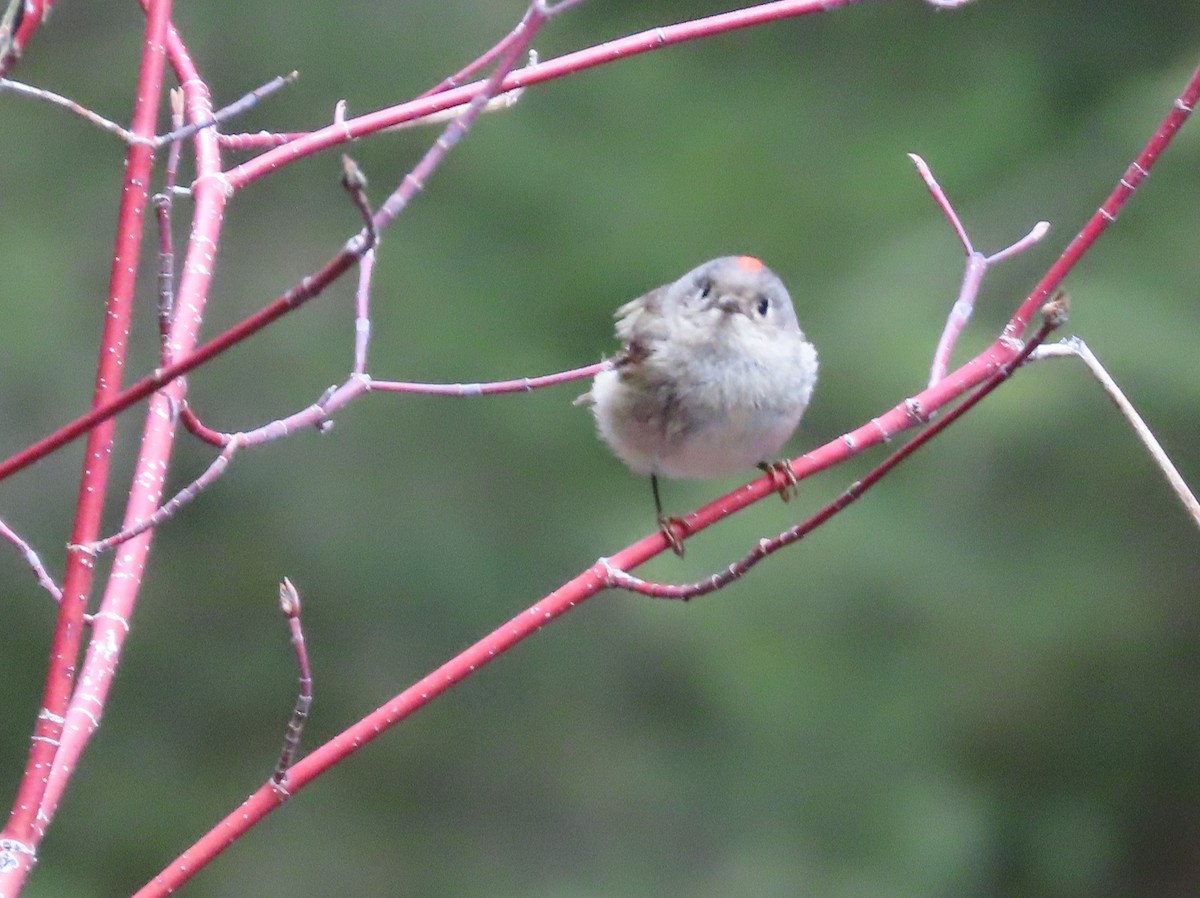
x=674 y=539
x=782 y=476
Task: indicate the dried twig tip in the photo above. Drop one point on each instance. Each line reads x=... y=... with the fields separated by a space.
x=289 y=599
x=352 y=176
x=1057 y=309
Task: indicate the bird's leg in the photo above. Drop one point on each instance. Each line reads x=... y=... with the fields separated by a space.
x=781 y=473
x=665 y=524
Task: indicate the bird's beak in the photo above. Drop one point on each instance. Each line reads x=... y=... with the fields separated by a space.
x=728 y=304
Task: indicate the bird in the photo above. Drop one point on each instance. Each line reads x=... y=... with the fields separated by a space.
x=713 y=376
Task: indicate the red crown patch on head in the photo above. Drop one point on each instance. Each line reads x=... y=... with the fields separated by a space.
x=749 y=263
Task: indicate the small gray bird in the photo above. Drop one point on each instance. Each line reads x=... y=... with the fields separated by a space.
x=713 y=376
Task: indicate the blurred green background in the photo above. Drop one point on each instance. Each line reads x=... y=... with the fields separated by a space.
x=982 y=680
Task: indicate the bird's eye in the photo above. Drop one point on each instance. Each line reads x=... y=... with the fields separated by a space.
x=705 y=285
x=764 y=304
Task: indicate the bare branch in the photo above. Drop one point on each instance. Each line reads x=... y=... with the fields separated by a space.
x=520 y=385
x=977 y=266
x=1054 y=314
x=1075 y=348
x=167 y=510
x=289 y=604
x=49 y=96
x=33 y=560
x=236 y=108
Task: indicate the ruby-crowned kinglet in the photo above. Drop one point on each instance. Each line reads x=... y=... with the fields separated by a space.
x=713 y=376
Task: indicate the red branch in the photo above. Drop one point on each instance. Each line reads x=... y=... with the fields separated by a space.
x=1004 y=352
x=66 y=721
x=1137 y=172
x=111 y=621
x=274 y=159
x=602 y=54
x=33 y=14
x=1054 y=315
x=26 y=822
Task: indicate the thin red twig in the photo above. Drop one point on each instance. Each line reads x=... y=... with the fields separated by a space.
x=358 y=383
x=27 y=823
x=32 y=14
x=476 y=66
x=225 y=113
x=574 y=592
x=122 y=586
x=1129 y=182
x=1054 y=316
x=289 y=604
x=910 y=412
x=977 y=266
x=314 y=284
x=601 y=54
x=316 y=415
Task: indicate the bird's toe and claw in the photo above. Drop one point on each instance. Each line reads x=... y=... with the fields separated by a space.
x=783 y=476
x=667 y=525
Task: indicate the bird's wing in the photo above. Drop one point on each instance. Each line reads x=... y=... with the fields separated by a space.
x=640 y=325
